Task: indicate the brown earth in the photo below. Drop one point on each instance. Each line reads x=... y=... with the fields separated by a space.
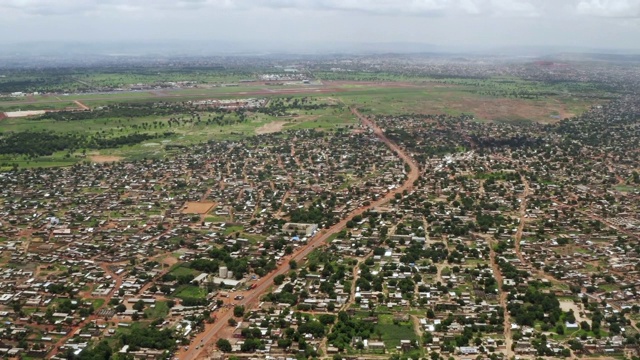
x=81 y=105
x=272 y=127
x=197 y=207
x=104 y=158
x=498 y=109
x=507 y=109
x=169 y=260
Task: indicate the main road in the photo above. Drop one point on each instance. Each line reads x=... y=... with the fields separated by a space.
x=251 y=297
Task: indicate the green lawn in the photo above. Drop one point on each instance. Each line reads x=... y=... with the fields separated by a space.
x=182 y=270
x=97 y=303
x=160 y=310
x=232 y=229
x=392 y=333
x=190 y=291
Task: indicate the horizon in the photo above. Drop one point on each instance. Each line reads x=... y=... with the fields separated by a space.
x=323 y=26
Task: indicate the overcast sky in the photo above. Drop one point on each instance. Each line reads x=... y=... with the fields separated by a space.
x=460 y=23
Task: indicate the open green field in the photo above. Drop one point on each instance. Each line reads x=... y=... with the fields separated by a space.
x=392 y=333
x=159 y=311
x=451 y=96
x=183 y=134
x=67 y=80
x=182 y=271
x=501 y=99
x=190 y=291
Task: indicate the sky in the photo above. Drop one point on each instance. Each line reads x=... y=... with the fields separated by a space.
x=593 y=24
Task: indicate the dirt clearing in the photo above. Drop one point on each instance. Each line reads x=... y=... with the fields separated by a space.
x=168 y=260
x=197 y=207
x=577 y=309
x=497 y=109
x=272 y=127
x=104 y=158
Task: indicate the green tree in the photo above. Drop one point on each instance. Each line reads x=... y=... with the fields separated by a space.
x=139 y=305
x=223 y=345
x=278 y=279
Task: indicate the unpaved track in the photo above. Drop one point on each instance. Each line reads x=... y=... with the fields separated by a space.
x=221 y=328
x=81 y=105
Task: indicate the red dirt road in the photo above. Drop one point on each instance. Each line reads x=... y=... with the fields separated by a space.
x=81 y=105
x=214 y=331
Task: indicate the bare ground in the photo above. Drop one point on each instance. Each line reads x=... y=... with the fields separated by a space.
x=81 y=105
x=272 y=127
x=502 y=109
x=104 y=158
x=570 y=305
x=198 y=207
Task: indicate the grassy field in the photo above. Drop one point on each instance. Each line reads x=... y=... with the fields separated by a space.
x=450 y=96
x=488 y=100
x=181 y=271
x=190 y=291
x=73 y=80
x=160 y=310
x=392 y=333
x=184 y=134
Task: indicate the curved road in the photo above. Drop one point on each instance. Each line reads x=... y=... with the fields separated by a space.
x=253 y=296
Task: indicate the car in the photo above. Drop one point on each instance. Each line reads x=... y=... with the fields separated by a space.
x=238 y=297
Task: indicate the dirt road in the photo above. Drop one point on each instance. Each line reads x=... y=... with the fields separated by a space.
x=522 y=212
x=81 y=105
x=508 y=339
x=213 y=331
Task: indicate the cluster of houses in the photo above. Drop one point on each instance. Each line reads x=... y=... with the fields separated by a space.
x=497 y=214
x=106 y=235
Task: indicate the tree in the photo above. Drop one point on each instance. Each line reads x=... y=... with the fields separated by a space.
x=585 y=326
x=121 y=308
x=575 y=345
x=430 y=313
x=278 y=279
x=327 y=319
x=284 y=343
x=223 y=345
x=232 y=322
x=238 y=311
x=293 y=264
x=314 y=328
x=139 y=305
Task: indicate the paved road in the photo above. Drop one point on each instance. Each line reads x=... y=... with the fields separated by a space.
x=213 y=331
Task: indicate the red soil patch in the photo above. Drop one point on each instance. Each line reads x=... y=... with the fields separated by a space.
x=197 y=207
x=104 y=158
x=274 y=126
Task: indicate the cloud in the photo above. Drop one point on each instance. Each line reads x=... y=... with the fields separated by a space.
x=410 y=7
x=377 y=7
x=610 y=8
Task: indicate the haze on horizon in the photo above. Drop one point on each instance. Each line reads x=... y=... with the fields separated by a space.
x=450 y=24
